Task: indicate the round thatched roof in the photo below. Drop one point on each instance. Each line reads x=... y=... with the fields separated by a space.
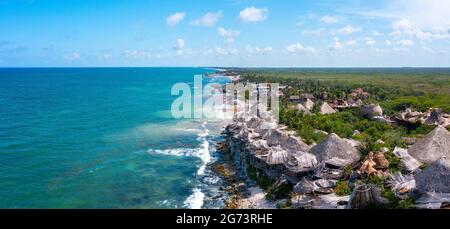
x=264 y=127
x=371 y=110
x=277 y=156
x=326 y=109
x=431 y=148
x=305 y=161
x=253 y=123
x=300 y=107
x=335 y=149
x=274 y=137
x=294 y=145
x=308 y=104
x=305 y=187
x=435 y=178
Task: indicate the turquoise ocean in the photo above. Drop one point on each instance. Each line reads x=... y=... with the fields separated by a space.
x=103 y=138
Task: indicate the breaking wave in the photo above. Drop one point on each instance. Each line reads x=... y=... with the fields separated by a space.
x=196 y=199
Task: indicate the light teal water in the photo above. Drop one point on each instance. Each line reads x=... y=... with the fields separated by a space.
x=101 y=138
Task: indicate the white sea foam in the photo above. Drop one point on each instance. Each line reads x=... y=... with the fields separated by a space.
x=195 y=201
x=205 y=156
x=179 y=152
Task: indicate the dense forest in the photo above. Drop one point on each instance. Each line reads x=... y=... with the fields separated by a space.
x=394 y=89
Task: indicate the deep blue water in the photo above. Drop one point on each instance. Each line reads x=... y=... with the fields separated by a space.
x=100 y=138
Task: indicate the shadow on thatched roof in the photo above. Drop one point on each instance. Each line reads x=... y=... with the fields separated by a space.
x=336 y=151
x=435 y=178
x=434 y=146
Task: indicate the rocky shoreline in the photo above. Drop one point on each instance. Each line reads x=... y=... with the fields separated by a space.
x=268 y=166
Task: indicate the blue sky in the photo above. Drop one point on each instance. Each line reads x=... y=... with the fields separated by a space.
x=254 y=33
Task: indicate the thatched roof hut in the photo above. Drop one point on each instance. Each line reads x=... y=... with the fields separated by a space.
x=325 y=109
x=302 y=108
x=371 y=110
x=294 y=145
x=305 y=161
x=305 y=187
x=435 y=178
x=308 y=104
x=274 y=137
x=277 y=156
x=435 y=118
x=336 y=151
x=295 y=99
x=434 y=146
x=264 y=127
x=253 y=123
x=407 y=162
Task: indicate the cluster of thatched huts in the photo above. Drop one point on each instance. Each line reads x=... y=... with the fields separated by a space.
x=432 y=117
x=258 y=143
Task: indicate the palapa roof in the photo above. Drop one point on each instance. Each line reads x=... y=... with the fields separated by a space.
x=371 y=110
x=435 y=117
x=325 y=108
x=277 y=156
x=305 y=187
x=294 y=97
x=253 y=123
x=264 y=127
x=307 y=96
x=305 y=110
x=336 y=151
x=294 y=145
x=435 y=178
x=308 y=104
x=431 y=148
x=305 y=161
x=274 y=137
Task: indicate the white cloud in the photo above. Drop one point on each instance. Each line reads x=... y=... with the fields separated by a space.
x=208 y=20
x=435 y=34
x=136 y=54
x=388 y=42
x=349 y=30
x=229 y=34
x=370 y=41
x=351 y=42
x=179 y=47
x=257 y=50
x=180 y=43
x=405 y=42
x=314 y=32
x=72 y=56
x=226 y=51
x=426 y=20
x=401 y=24
x=327 y=19
x=297 y=48
x=105 y=56
x=175 y=18
x=424 y=14
x=336 y=45
x=252 y=14
x=376 y=33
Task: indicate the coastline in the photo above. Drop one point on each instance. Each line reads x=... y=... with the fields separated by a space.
x=274 y=168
